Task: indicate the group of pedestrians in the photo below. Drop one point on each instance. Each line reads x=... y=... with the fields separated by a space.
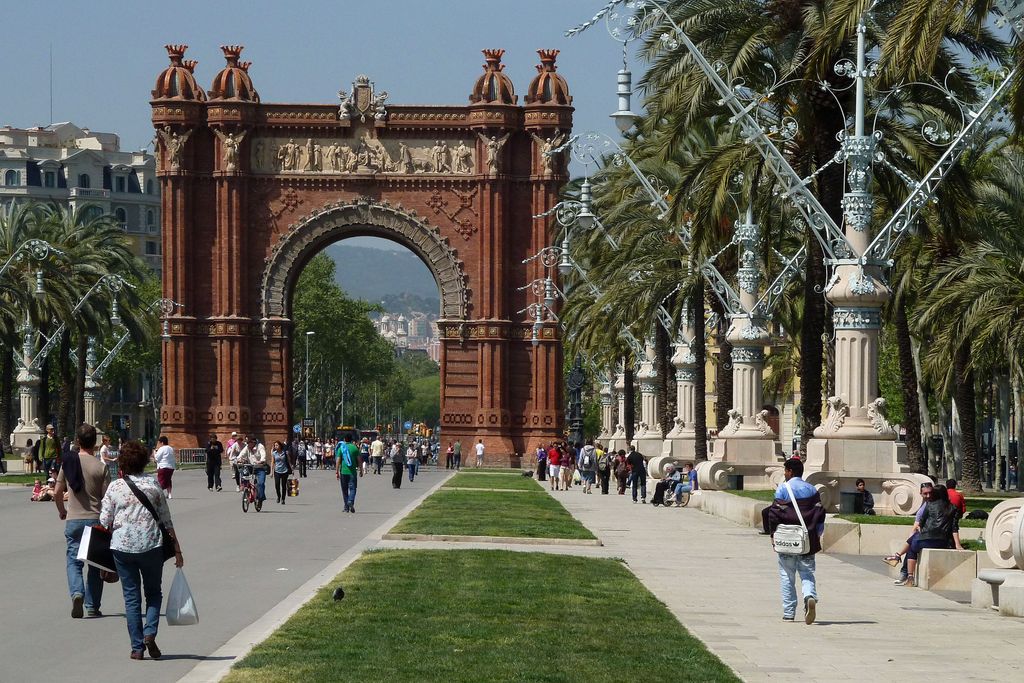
x=133 y=508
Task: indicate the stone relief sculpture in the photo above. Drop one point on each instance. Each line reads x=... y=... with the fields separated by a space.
x=463 y=158
x=493 y=145
x=231 y=143
x=550 y=161
x=369 y=155
x=362 y=101
x=761 y=422
x=837 y=413
x=879 y=420
x=735 y=422
x=175 y=145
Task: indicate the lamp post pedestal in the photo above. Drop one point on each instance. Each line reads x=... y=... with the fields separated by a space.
x=747 y=447
x=607 y=411
x=618 y=437
x=648 y=437
x=93 y=403
x=28 y=396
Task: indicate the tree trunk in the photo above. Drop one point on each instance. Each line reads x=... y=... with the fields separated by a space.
x=44 y=394
x=723 y=379
x=1003 y=441
x=666 y=372
x=965 y=396
x=1018 y=412
x=6 y=393
x=629 y=398
x=908 y=386
x=699 y=348
x=83 y=343
x=811 y=355
x=65 y=387
x=934 y=464
x=946 y=467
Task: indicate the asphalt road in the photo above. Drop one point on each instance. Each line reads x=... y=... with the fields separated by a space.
x=238 y=566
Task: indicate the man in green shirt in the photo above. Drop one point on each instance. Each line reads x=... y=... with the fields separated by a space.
x=48 y=449
x=348 y=471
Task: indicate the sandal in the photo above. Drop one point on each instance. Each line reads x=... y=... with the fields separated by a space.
x=892 y=560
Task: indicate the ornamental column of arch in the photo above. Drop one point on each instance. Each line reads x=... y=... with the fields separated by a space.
x=230 y=115
x=178 y=107
x=547 y=117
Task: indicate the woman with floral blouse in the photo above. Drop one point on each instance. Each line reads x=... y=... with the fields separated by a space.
x=137 y=545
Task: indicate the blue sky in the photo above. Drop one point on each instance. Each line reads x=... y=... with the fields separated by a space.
x=106 y=54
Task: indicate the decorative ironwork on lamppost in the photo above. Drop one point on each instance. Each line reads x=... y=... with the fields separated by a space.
x=856 y=260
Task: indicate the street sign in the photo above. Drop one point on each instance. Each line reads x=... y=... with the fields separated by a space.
x=308 y=428
x=297 y=429
x=408 y=426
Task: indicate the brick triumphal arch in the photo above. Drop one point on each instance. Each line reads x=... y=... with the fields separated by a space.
x=252 y=190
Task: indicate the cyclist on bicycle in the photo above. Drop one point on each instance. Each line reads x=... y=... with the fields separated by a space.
x=256 y=455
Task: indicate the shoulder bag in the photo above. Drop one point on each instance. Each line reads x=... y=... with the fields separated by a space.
x=790 y=539
x=168 y=545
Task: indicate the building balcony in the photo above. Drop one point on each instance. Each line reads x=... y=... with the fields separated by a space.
x=154 y=261
x=89 y=193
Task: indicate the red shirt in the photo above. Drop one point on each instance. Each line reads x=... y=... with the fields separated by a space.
x=554 y=457
x=957 y=499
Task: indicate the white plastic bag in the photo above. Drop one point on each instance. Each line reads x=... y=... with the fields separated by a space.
x=181 y=606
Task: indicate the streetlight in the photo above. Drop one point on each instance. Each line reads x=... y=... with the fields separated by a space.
x=305 y=393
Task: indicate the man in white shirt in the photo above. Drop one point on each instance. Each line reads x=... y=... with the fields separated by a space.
x=165 y=464
x=377 y=454
x=480 y=453
x=256 y=455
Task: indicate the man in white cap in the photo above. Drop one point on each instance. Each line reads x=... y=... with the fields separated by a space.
x=234 y=447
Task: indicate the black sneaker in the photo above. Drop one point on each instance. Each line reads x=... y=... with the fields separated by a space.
x=77 y=610
x=93 y=614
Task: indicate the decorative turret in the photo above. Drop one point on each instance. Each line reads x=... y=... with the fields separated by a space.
x=233 y=81
x=493 y=86
x=177 y=81
x=548 y=86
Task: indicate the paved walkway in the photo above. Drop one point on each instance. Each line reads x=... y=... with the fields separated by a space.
x=721 y=581
x=246 y=570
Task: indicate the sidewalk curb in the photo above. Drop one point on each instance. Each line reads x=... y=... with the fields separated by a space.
x=223 y=658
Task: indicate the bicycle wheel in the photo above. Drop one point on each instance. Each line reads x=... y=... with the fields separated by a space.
x=245 y=500
x=259 y=505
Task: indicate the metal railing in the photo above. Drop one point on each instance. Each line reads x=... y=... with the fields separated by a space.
x=191 y=456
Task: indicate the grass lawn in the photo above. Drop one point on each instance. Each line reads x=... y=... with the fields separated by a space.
x=481 y=615
x=492 y=470
x=766 y=496
x=492 y=481
x=905 y=520
x=487 y=513
x=21 y=478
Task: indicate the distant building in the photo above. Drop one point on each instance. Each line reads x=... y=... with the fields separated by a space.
x=82 y=169
x=418 y=332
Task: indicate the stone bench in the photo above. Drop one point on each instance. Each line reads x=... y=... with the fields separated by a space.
x=947 y=570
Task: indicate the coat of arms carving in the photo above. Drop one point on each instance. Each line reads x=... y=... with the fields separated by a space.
x=362 y=102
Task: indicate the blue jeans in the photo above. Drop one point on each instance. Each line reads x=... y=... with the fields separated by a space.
x=414 y=466
x=92 y=588
x=789 y=565
x=348 y=491
x=640 y=479
x=149 y=567
x=681 y=489
x=261 y=484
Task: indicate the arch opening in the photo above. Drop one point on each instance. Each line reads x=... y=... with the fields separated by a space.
x=362 y=218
